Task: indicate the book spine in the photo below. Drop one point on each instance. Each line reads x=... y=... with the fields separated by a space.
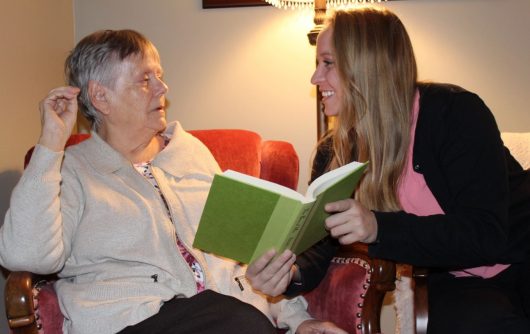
x=297 y=229
x=283 y=223
x=311 y=228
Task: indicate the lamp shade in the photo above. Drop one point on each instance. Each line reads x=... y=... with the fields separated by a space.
x=300 y=4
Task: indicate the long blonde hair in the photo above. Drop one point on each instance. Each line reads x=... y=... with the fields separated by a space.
x=377 y=68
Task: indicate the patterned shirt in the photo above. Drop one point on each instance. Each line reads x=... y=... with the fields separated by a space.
x=144 y=168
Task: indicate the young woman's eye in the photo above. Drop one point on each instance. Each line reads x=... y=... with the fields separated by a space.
x=328 y=63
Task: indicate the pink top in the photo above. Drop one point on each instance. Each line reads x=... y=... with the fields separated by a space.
x=416 y=198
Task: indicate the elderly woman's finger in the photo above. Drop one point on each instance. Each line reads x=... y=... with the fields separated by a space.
x=261 y=263
x=271 y=275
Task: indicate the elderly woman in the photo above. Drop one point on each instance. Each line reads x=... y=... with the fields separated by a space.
x=115 y=215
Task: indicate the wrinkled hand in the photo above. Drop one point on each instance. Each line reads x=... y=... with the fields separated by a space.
x=351 y=222
x=58 y=112
x=271 y=275
x=319 y=327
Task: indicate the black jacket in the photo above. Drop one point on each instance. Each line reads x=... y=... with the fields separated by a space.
x=483 y=191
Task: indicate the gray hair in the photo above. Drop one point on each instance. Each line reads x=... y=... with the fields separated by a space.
x=96 y=58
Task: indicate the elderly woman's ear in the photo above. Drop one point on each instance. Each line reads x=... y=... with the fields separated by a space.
x=98 y=96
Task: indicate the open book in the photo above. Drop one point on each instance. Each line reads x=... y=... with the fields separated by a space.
x=245 y=216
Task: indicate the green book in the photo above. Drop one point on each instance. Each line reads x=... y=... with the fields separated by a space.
x=245 y=216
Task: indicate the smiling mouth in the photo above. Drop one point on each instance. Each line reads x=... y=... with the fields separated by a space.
x=327 y=93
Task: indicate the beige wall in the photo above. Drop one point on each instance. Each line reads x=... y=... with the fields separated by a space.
x=250 y=67
x=35 y=36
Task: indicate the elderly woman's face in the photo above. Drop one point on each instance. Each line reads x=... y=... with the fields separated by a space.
x=138 y=100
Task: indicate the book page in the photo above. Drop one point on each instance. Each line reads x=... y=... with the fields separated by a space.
x=264 y=184
x=324 y=181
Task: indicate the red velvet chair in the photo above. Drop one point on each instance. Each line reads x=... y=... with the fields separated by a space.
x=351 y=295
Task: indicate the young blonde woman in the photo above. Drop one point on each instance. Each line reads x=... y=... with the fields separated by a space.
x=441 y=191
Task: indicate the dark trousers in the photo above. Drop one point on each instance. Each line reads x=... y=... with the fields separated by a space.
x=205 y=313
x=476 y=305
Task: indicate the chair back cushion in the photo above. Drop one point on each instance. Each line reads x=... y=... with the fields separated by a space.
x=279 y=163
x=242 y=151
x=245 y=152
x=239 y=150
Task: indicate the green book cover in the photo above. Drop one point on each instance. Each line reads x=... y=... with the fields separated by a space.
x=245 y=216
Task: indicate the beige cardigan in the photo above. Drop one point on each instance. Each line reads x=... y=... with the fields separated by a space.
x=103 y=227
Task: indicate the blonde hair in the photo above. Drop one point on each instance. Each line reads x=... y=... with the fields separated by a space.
x=377 y=69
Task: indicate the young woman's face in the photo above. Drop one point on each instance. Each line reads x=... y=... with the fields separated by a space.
x=326 y=76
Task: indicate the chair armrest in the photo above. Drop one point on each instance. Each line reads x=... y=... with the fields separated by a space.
x=382 y=280
x=19 y=303
x=352 y=292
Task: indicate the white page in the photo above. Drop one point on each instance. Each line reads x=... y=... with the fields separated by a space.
x=325 y=180
x=271 y=186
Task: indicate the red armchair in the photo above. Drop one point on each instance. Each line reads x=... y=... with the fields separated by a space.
x=351 y=295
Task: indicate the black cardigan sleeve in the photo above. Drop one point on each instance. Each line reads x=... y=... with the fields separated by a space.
x=458 y=150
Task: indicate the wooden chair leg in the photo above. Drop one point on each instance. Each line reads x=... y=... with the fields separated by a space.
x=421 y=301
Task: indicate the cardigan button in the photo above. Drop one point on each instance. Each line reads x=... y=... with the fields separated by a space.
x=417 y=167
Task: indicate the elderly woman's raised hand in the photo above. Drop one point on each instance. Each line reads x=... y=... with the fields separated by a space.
x=58 y=115
x=271 y=275
x=351 y=222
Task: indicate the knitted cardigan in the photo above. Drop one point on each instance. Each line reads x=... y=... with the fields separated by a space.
x=104 y=228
